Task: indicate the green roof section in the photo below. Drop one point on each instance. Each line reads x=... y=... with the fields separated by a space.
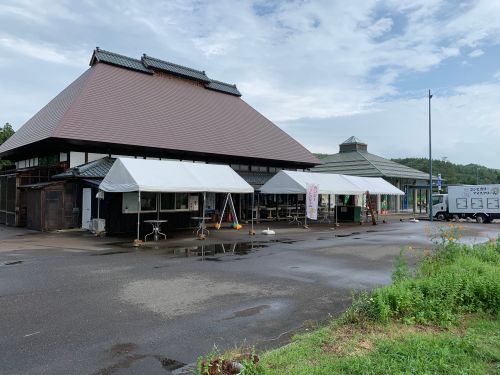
x=116 y=59
x=149 y=65
x=352 y=140
x=94 y=169
x=359 y=162
x=223 y=87
x=175 y=69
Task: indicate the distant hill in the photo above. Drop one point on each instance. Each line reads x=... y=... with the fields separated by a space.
x=452 y=173
x=455 y=173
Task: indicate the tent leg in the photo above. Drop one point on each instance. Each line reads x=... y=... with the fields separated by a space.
x=137 y=241
x=223 y=211
x=252 y=231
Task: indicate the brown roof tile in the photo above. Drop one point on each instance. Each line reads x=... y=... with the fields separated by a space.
x=115 y=105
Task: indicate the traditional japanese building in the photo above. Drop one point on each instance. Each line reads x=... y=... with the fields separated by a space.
x=354 y=159
x=139 y=108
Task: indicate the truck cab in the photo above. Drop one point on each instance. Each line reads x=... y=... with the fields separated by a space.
x=440 y=206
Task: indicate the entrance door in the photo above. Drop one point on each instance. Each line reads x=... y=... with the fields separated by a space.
x=87 y=208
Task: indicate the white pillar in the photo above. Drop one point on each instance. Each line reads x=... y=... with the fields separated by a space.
x=379 y=203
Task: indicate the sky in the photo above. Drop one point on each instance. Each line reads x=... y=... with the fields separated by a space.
x=321 y=70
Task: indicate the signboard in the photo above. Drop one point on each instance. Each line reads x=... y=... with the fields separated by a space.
x=439 y=182
x=312 y=201
x=193 y=203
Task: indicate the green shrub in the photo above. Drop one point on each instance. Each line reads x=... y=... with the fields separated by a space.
x=456 y=279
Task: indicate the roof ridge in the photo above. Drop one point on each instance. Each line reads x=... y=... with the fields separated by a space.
x=117 y=54
x=171 y=63
x=223 y=83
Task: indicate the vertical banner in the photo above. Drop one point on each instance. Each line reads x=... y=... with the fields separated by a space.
x=312 y=201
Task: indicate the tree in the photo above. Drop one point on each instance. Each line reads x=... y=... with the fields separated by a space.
x=5 y=133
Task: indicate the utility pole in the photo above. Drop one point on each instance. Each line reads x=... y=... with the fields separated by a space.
x=430 y=160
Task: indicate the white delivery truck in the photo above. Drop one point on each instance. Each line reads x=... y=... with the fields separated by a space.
x=478 y=202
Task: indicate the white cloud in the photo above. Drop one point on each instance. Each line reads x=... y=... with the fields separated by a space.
x=465 y=127
x=296 y=62
x=43 y=51
x=476 y=53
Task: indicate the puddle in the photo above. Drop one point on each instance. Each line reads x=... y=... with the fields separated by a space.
x=121 y=349
x=466 y=240
x=209 y=252
x=137 y=362
x=12 y=262
x=113 y=252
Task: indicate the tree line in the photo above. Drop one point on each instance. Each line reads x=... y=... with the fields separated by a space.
x=455 y=173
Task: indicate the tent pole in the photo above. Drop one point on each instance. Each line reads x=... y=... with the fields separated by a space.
x=157 y=206
x=138 y=213
x=336 y=210
x=203 y=208
x=251 y=212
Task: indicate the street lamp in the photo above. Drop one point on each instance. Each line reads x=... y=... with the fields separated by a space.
x=430 y=160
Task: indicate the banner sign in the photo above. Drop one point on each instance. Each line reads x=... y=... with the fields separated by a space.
x=312 y=201
x=439 y=182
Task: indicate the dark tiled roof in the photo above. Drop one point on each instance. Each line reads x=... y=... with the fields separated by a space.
x=223 y=87
x=179 y=70
x=256 y=179
x=352 y=140
x=95 y=169
x=364 y=164
x=108 y=104
x=112 y=58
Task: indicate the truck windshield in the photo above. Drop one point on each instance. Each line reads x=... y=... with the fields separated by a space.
x=437 y=199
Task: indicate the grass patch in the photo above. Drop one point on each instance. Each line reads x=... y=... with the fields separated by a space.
x=472 y=347
x=442 y=319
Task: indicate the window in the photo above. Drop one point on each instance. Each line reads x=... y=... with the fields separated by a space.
x=258 y=168
x=477 y=203
x=181 y=201
x=177 y=202
x=461 y=203
x=167 y=201
x=129 y=202
x=493 y=204
x=148 y=201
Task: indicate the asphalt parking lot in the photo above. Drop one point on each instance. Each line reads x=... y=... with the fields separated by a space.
x=73 y=304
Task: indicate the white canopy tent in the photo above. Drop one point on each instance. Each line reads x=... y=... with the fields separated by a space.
x=164 y=176
x=127 y=175
x=290 y=182
x=374 y=185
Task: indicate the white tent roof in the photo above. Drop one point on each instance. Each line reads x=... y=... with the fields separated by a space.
x=289 y=182
x=375 y=185
x=128 y=175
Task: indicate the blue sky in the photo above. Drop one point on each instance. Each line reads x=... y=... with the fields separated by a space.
x=321 y=70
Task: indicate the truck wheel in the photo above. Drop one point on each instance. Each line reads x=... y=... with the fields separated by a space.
x=440 y=216
x=481 y=218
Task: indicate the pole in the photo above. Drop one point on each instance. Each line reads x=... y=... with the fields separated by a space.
x=430 y=159
x=251 y=211
x=203 y=212
x=138 y=213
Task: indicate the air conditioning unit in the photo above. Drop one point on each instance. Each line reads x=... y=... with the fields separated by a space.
x=98 y=225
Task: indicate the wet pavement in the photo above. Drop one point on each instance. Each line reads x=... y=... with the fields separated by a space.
x=73 y=304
